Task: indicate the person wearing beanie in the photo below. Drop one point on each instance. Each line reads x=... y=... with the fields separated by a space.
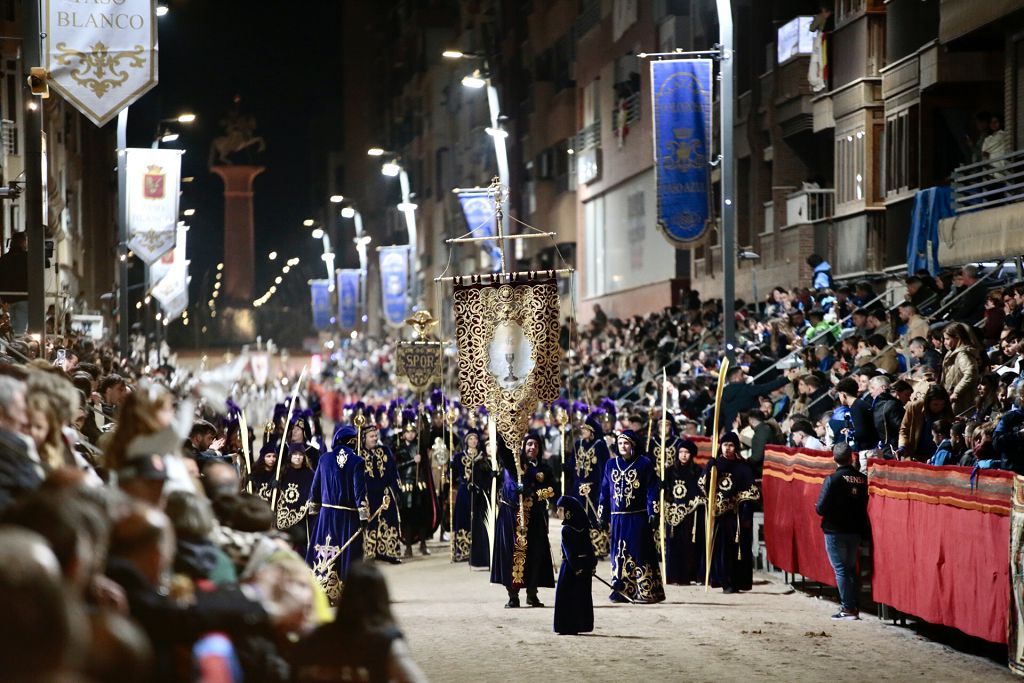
x=574 y=601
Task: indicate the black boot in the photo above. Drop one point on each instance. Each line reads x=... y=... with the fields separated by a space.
x=408 y=551
x=513 y=598
x=423 y=548
x=531 y=598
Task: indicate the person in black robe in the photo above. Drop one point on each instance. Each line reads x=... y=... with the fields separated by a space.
x=684 y=515
x=735 y=497
x=464 y=467
x=294 y=488
x=583 y=470
x=418 y=504
x=574 y=600
x=261 y=480
x=514 y=565
x=382 y=537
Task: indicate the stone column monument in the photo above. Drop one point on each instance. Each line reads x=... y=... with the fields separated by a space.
x=235 y=322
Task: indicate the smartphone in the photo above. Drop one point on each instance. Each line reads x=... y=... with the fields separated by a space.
x=61 y=360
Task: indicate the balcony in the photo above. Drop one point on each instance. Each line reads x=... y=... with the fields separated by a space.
x=989 y=221
x=587 y=138
x=9 y=135
x=810 y=206
x=630 y=106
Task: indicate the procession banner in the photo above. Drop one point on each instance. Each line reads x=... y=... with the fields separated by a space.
x=159 y=268
x=1015 y=631
x=394 y=279
x=941 y=543
x=100 y=57
x=259 y=365
x=320 y=294
x=420 y=362
x=153 y=182
x=792 y=531
x=172 y=291
x=482 y=220
x=348 y=298
x=681 y=95
x=507 y=336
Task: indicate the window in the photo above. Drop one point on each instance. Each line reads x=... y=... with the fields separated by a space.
x=593 y=220
x=850 y=167
x=794 y=38
x=901 y=151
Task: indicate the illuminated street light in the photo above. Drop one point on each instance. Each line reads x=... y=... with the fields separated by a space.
x=309 y=222
x=348 y=212
x=391 y=169
x=189 y=212
x=375 y=152
x=453 y=54
x=497 y=132
x=220 y=266
x=161 y=11
x=169 y=137
x=186 y=118
x=272 y=256
x=474 y=80
x=318 y=233
x=337 y=198
x=277 y=280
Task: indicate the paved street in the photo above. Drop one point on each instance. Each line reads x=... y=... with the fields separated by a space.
x=459 y=631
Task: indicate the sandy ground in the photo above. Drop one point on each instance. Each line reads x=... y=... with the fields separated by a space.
x=458 y=630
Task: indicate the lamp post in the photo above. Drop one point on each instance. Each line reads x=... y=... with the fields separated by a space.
x=162 y=134
x=747 y=255
x=328 y=255
x=481 y=79
x=394 y=169
x=361 y=241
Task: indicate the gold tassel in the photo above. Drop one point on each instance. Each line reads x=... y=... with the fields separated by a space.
x=693 y=531
x=739 y=548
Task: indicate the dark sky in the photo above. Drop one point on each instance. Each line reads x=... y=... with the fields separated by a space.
x=284 y=60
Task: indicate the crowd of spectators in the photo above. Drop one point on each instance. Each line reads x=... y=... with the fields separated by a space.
x=925 y=371
x=129 y=550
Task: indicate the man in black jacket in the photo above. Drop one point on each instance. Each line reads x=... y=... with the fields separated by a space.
x=843 y=507
x=887 y=414
x=738 y=396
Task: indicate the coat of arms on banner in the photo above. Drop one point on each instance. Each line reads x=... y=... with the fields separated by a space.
x=154 y=183
x=507 y=335
x=420 y=362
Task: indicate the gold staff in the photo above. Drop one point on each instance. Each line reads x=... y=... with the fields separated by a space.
x=663 y=526
x=284 y=438
x=709 y=521
x=450 y=419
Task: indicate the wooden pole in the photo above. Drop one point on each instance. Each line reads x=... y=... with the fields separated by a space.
x=284 y=437
x=709 y=519
x=663 y=516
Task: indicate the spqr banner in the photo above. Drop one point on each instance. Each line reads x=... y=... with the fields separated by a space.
x=320 y=295
x=394 y=283
x=507 y=336
x=482 y=221
x=681 y=102
x=348 y=298
x=419 y=361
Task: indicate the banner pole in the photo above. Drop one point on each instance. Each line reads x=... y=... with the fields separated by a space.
x=122 y=232
x=728 y=209
x=34 y=218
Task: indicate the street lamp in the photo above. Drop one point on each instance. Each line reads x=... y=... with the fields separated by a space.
x=474 y=80
x=391 y=169
x=499 y=135
x=189 y=212
x=408 y=209
x=337 y=198
x=748 y=255
x=375 y=152
x=166 y=135
x=162 y=10
x=309 y=222
x=272 y=256
x=318 y=233
x=361 y=241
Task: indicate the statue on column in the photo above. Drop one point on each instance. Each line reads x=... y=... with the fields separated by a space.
x=238 y=136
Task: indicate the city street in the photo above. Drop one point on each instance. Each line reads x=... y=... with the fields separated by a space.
x=458 y=630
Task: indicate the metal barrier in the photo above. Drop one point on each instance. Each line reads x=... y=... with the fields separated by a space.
x=988 y=183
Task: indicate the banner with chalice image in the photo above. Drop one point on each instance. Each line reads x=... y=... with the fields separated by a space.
x=507 y=336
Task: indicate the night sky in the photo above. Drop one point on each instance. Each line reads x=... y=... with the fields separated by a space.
x=284 y=60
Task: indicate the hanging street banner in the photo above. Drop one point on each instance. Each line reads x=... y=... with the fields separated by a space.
x=159 y=268
x=681 y=90
x=482 y=221
x=394 y=283
x=348 y=298
x=153 y=185
x=320 y=293
x=507 y=337
x=100 y=56
x=420 y=362
x=172 y=291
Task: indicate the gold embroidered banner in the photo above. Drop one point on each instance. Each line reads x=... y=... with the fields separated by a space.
x=419 y=361
x=507 y=336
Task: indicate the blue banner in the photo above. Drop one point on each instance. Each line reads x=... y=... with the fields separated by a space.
x=681 y=93
x=319 y=291
x=348 y=298
x=394 y=284
x=482 y=220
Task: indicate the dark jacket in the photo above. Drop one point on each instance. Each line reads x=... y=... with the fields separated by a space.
x=738 y=397
x=14 y=275
x=864 y=434
x=843 y=502
x=887 y=414
x=18 y=474
x=764 y=434
x=1007 y=441
x=969 y=308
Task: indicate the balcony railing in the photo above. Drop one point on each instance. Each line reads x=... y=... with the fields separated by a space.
x=810 y=206
x=9 y=136
x=630 y=106
x=588 y=137
x=988 y=183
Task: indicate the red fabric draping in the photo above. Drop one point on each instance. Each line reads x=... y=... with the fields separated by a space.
x=941 y=550
x=792 y=529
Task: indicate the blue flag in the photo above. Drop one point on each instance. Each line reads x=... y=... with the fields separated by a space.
x=394 y=284
x=681 y=93
x=319 y=291
x=482 y=220
x=348 y=298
